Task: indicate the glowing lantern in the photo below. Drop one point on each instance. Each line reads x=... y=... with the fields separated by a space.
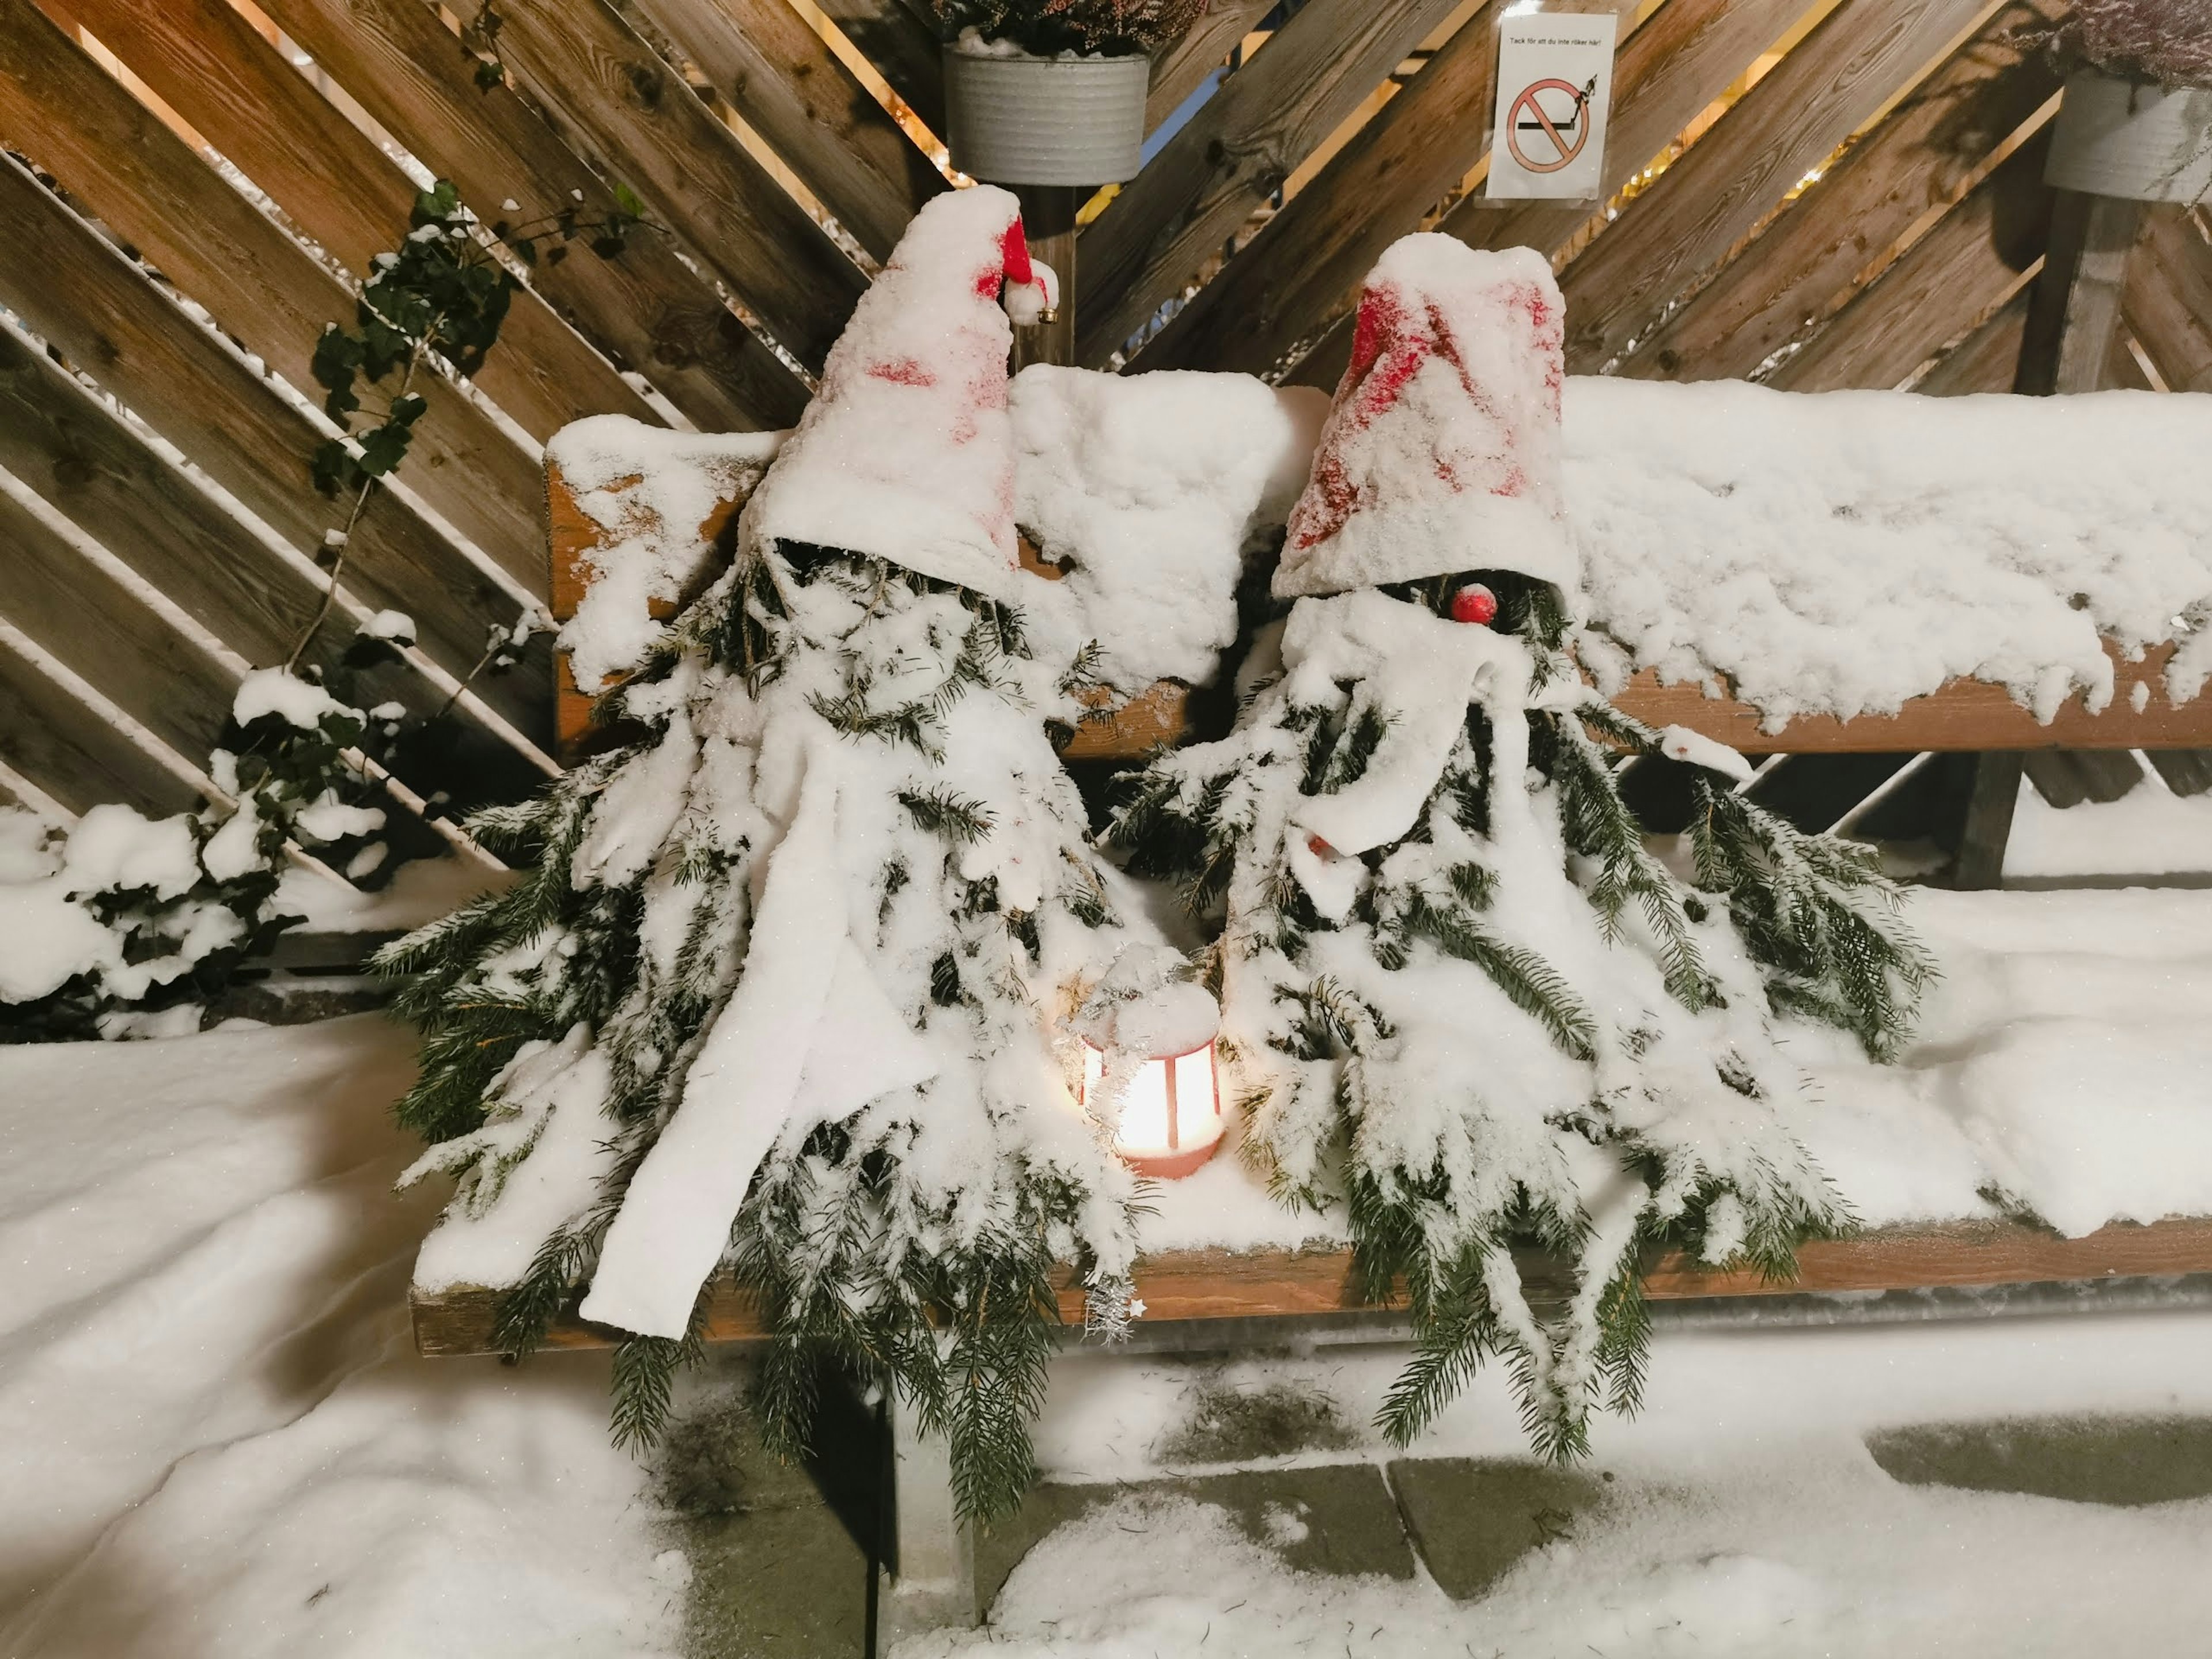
x=1169 y=1109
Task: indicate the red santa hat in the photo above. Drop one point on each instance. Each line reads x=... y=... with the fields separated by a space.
x=1443 y=451
x=907 y=452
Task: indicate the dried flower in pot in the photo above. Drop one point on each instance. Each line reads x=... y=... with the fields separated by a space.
x=1052 y=92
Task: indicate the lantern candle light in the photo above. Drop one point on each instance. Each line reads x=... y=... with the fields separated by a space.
x=1169 y=1118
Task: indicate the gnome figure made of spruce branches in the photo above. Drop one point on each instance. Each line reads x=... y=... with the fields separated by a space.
x=1459 y=995
x=790 y=986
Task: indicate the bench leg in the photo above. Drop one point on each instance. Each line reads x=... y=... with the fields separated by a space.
x=1988 y=822
x=928 y=1579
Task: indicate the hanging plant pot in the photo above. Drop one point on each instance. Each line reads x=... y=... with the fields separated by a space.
x=2115 y=136
x=1019 y=119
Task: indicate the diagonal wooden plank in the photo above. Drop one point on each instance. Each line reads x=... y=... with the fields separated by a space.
x=1830 y=83
x=591 y=71
x=115 y=156
x=77 y=601
x=1974 y=258
x=1177 y=71
x=96 y=308
x=1677 y=63
x=1919 y=159
x=64 y=737
x=648 y=310
x=1236 y=152
x=254 y=596
x=792 y=90
x=1307 y=262
x=2168 y=298
x=896 y=37
x=1987 y=360
x=218 y=71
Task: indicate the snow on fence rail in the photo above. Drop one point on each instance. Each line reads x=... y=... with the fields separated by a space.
x=249 y=162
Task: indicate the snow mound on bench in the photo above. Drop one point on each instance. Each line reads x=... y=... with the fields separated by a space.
x=1841 y=552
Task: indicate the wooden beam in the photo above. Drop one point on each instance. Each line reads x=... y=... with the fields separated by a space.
x=217 y=71
x=1682 y=58
x=1987 y=360
x=1219 y=1284
x=592 y=72
x=1177 y=71
x=62 y=736
x=1207 y=181
x=95 y=306
x=1920 y=159
x=782 y=78
x=227 y=574
x=75 y=600
x=1967 y=266
x=1964 y=715
x=1681 y=228
x=894 y=36
x=1296 y=272
x=2167 y=303
x=2074 y=313
x=114 y=155
x=648 y=310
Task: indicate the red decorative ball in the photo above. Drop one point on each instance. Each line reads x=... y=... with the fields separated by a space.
x=1473 y=604
x=1319 y=848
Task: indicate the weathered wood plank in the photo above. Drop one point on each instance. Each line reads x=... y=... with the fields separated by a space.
x=2074 y=309
x=2167 y=303
x=2068 y=777
x=1233 y=154
x=1918 y=159
x=95 y=306
x=791 y=90
x=117 y=157
x=57 y=587
x=1988 y=360
x=1177 y=71
x=1297 y=271
x=648 y=310
x=217 y=71
x=590 y=70
x=1306 y=264
x=1674 y=66
x=1710 y=199
x=1968 y=264
x=58 y=734
x=893 y=36
x=1188 y=1285
x=1964 y=715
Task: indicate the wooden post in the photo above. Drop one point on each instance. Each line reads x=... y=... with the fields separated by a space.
x=929 y=1571
x=1048 y=220
x=2076 y=310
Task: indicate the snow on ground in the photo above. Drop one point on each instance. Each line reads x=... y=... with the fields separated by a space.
x=2149 y=831
x=215 y=1437
x=1749 y=1517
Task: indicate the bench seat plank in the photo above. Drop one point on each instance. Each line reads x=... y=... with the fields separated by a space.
x=1220 y=1284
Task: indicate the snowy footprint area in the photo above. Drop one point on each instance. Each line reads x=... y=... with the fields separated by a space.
x=215 y=1438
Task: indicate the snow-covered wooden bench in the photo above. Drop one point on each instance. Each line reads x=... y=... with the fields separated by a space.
x=1221 y=1298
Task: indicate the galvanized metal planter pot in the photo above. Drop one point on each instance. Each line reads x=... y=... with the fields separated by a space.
x=1022 y=121
x=2125 y=138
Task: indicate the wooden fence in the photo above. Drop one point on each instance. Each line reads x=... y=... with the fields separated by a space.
x=1847 y=195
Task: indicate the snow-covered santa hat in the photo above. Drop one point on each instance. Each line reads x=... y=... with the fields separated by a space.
x=1441 y=453
x=907 y=452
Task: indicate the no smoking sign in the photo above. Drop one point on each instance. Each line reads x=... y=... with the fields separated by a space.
x=1554 y=86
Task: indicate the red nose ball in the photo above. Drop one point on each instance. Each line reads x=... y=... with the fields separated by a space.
x=1474 y=604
